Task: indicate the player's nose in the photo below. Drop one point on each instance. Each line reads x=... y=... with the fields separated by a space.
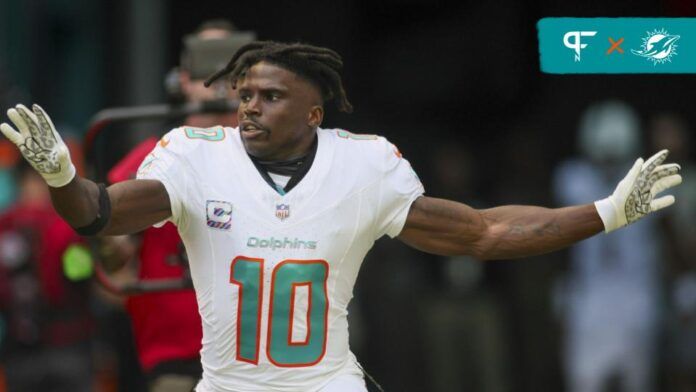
x=252 y=107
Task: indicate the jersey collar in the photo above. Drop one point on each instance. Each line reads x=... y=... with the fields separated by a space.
x=295 y=179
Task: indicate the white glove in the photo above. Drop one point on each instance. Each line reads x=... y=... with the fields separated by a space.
x=634 y=197
x=40 y=144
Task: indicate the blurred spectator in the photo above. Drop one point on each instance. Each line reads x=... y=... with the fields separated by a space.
x=8 y=158
x=9 y=96
x=206 y=51
x=391 y=295
x=522 y=176
x=166 y=325
x=610 y=296
x=464 y=324
x=672 y=132
x=46 y=321
x=453 y=176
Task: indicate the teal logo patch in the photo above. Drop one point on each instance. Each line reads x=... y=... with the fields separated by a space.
x=617 y=45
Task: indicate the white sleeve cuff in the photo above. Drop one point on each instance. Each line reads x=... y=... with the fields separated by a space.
x=607 y=212
x=397 y=225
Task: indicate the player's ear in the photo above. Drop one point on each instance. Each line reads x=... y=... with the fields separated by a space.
x=315 y=116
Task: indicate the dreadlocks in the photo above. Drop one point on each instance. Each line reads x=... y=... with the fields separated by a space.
x=320 y=66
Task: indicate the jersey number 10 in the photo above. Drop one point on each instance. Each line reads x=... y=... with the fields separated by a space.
x=286 y=278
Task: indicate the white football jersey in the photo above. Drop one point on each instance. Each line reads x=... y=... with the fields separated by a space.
x=274 y=273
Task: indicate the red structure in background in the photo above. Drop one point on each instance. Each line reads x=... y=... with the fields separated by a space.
x=167 y=326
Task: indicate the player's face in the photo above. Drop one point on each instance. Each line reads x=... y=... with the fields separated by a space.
x=278 y=113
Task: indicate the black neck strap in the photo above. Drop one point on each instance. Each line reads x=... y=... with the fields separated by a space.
x=295 y=168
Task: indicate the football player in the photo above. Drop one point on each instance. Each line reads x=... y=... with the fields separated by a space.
x=278 y=213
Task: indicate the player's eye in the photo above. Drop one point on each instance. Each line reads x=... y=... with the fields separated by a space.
x=244 y=97
x=272 y=96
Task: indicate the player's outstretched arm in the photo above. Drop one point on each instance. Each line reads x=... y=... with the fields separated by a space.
x=134 y=205
x=450 y=228
x=123 y=208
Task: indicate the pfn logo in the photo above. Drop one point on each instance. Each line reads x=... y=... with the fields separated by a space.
x=576 y=44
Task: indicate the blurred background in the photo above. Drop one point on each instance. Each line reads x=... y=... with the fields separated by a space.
x=457 y=87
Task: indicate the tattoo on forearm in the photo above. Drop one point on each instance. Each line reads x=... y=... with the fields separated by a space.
x=548 y=229
x=516 y=231
x=551 y=228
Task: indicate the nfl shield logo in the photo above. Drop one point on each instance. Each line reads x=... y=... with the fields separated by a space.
x=282 y=211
